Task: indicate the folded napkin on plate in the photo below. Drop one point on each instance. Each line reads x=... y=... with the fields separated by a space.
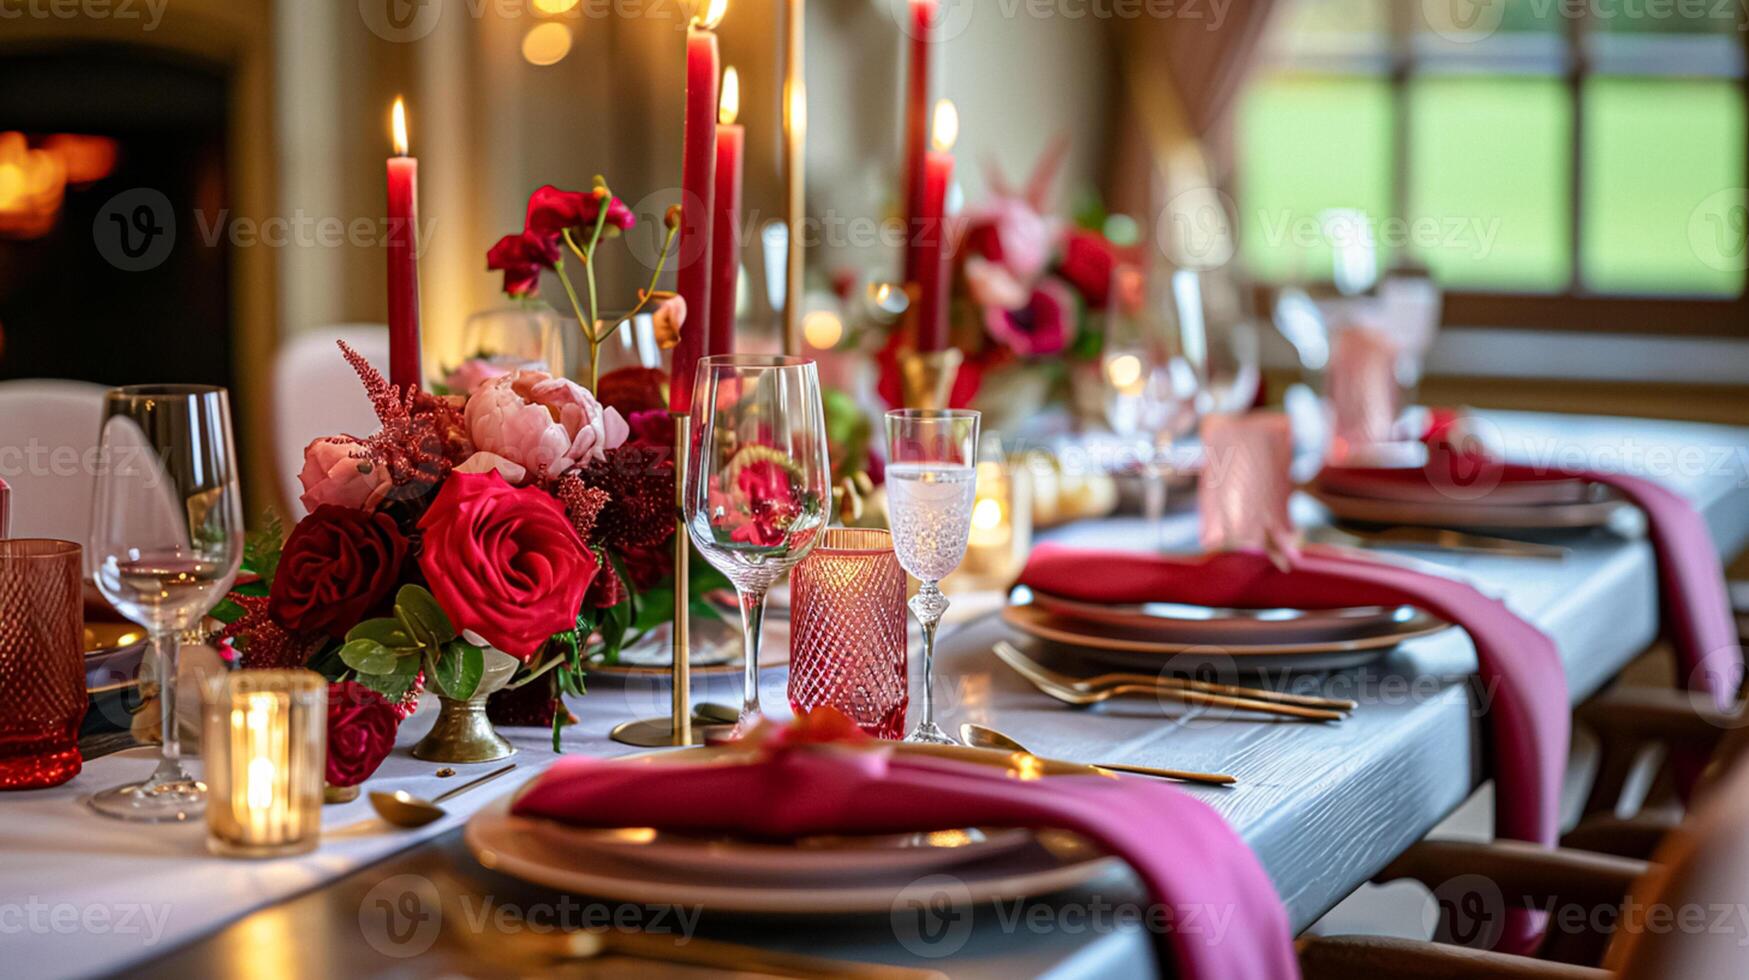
x=1692 y=590
x=1518 y=664
x=5 y=511
x=1192 y=862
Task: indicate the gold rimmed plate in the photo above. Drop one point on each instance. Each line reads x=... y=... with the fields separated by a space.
x=1479 y=515
x=817 y=875
x=1175 y=622
x=1140 y=648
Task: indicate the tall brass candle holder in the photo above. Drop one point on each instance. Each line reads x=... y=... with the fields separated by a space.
x=677 y=728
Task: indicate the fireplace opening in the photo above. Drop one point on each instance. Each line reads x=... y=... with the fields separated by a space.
x=112 y=183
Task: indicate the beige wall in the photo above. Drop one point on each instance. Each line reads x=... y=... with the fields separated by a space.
x=488 y=128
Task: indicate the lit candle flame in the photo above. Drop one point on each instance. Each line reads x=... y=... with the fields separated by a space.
x=730 y=106
x=947 y=125
x=400 y=127
x=712 y=16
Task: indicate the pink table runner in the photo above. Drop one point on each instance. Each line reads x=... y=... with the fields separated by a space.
x=1191 y=861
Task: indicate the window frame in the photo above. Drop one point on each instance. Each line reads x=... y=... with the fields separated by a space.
x=1576 y=307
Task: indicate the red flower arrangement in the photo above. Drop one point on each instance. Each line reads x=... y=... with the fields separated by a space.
x=525 y=516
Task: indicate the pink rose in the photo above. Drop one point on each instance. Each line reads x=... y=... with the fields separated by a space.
x=473 y=372
x=546 y=425
x=332 y=475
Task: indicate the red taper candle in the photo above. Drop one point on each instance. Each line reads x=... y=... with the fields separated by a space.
x=698 y=183
x=933 y=272
x=725 y=250
x=406 y=361
x=917 y=108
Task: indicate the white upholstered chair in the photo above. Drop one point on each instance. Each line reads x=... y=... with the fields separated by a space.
x=48 y=445
x=316 y=394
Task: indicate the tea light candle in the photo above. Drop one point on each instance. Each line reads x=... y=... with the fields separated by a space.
x=265 y=746
x=1001 y=531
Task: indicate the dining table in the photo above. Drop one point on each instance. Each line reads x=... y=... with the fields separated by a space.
x=1323 y=806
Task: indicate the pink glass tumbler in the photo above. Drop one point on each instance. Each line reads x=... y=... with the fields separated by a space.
x=847 y=630
x=42 y=662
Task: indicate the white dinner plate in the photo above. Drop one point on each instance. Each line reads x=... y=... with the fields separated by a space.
x=1550 y=491
x=556 y=856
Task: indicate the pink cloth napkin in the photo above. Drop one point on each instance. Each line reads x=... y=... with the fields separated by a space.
x=1242 y=495
x=1190 y=859
x=1692 y=591
x=1520 y=669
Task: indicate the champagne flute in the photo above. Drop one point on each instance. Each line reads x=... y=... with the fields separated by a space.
x=758 y=483
x=166 y=541
x=932 y=483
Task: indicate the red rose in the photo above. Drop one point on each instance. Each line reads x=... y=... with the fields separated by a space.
x=633 y=389
x=551 y=211
x=522 y=258
x=337 y=566
x=648 y=567
x=1089 y=261
x=504 y=562
x=361 y=732
x=652 y=429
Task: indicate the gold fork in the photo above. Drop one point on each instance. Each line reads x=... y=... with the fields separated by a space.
x=1207 y=687
x=1045 y=680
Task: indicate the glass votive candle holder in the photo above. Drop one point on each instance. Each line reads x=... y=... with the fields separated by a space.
x=1243 y=492
x=42 y=662
x=847 y=630
x=264 y=753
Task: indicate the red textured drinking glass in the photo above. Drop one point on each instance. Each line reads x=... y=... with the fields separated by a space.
x=42 y=665
x=847 y=630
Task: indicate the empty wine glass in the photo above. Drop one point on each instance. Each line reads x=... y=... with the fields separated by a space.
x=932 y=483
x=166 y=541
x=1150 y=400
x=758 y=483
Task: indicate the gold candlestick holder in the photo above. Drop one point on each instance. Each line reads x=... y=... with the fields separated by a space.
x=926 y=377
x=676 y=729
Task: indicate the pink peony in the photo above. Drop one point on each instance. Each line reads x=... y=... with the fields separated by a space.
x=1040 y=328
x=473 y=372
x=1012 y=234
x=332 y=474
x=545 y=425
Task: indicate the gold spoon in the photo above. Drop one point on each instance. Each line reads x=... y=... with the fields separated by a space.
x=403 y=809
x=990 y=738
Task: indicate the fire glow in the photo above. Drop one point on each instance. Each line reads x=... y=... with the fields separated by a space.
x=34 y=179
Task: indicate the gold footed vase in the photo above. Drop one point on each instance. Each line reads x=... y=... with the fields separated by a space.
x=463 y=733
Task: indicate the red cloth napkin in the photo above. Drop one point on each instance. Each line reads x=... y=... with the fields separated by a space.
x=1225 y=922
x=5 y=512
x=1692 y=591
x=1518 y=664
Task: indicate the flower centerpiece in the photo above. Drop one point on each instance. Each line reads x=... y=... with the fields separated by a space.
x=1028 y=290
x=497 y=538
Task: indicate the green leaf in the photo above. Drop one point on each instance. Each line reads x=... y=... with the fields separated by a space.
x=261 y=548
x=370 y=658
x=456 y=672
x=396 y=685
x=655 y=607
x=388 y=632
x=423 y=618
x=227 y=612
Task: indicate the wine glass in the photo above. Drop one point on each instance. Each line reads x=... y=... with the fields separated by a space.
x=166 y=541
x=932 y=483
x=758 y=487
x=1150 y=399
